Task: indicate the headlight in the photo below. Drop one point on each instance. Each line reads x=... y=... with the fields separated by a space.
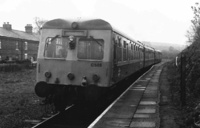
x=72 y=42
x=74 y=25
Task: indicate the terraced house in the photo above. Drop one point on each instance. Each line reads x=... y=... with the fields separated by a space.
x=18 y=45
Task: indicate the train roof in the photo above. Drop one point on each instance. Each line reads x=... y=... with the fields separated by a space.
x=158 y=51
x=98 y=24
x=149 y=48
x=91 y=24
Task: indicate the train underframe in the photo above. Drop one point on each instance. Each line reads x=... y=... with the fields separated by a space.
x=64 y=95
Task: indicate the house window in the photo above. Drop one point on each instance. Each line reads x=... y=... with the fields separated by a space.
x=26 y=46
x=0 y=44
x=25 y=56
x=17 y=46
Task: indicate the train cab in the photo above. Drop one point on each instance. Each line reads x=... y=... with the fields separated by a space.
x=73 y=55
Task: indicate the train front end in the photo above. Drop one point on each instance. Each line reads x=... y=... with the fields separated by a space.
x=73 y=61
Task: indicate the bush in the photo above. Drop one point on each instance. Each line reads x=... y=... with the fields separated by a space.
x=12 y=66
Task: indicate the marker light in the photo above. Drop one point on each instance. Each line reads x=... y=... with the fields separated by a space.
x=47 y=74
x=70 y=76
x=74 y=25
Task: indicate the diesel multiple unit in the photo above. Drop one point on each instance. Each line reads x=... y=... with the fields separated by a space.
x=81 y=60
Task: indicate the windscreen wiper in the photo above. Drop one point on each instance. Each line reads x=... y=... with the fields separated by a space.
x=96 y=41
x=54 y=37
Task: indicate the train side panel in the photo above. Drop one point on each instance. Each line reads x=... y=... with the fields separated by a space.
x=149 y=56
x=128 y=57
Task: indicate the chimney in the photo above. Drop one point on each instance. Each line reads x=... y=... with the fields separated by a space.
x=28 y=28
x=7 y=26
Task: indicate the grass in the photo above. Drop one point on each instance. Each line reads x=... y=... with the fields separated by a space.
x=18 y=100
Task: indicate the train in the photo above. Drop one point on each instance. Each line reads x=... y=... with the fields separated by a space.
x=82 y=60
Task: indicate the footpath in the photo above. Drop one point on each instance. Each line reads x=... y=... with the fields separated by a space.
x=168 y=113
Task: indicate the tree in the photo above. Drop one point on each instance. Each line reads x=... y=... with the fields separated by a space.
x=192 y=52
x=38 y=24
x=194 y=33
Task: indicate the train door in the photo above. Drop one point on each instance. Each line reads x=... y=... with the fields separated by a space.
x=144 y=51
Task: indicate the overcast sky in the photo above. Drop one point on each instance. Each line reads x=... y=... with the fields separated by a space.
x=146 y=20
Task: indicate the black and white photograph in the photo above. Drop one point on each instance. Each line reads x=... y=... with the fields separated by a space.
x=99 y=64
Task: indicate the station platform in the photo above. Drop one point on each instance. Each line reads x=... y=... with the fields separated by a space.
x=137 y=107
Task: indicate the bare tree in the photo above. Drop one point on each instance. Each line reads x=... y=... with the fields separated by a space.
x=38 y=24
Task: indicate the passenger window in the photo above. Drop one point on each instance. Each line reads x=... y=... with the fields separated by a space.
x=91 y=49
x=119 y=42
x=131 y=46
x=125 y=51
x=125 y=44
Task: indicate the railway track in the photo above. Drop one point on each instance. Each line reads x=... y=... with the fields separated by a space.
x=49 y=118
x=75 y=116
x=82 y=115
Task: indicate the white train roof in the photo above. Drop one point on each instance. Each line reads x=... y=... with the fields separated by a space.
x=92 y=24
x=96 y=24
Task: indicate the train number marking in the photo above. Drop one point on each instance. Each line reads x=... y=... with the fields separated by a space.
x=96 y=64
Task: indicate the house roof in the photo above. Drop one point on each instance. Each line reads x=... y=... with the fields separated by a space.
x=18 y=34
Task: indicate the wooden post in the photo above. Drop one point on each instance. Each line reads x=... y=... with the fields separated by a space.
x=183 y=84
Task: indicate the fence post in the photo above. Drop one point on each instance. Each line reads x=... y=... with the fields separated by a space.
x=183 y=84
